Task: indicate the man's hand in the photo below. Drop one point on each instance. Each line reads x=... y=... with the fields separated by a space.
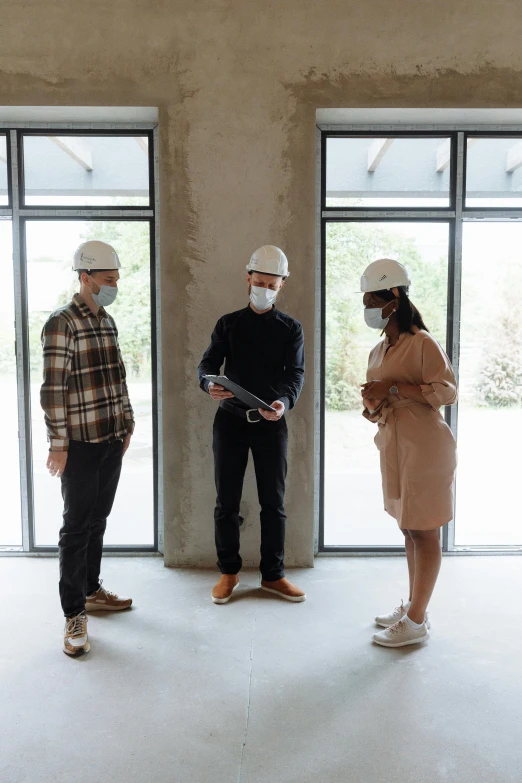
x=273 y=415
x=218 y=392
x=56 y=463
x=126 y=443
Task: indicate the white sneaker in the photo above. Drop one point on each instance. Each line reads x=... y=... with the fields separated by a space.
x=401 y=635
x=387 y=620
x=75 y=639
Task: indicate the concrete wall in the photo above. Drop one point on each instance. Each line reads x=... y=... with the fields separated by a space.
x=237 y=84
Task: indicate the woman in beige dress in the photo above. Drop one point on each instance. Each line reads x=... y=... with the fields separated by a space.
x=409 y=380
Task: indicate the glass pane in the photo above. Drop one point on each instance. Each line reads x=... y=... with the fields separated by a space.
x=387 y=172
x=51 y=283
x=490 y=408
x=494 y=172
x=354 y=514
x=11 y=524
x=4 y=194
x=86 y=170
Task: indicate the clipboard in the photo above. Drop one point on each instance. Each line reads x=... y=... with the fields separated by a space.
x=244 y=396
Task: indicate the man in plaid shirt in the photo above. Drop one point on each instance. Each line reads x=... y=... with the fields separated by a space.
x=89 y=422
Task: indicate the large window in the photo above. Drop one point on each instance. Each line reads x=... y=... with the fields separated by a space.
x=448 y=206
x=66 y=188
x=490 y=409
x=353 y=501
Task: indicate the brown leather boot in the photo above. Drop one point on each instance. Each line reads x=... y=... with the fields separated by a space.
x=284 y=589
x=222 y=592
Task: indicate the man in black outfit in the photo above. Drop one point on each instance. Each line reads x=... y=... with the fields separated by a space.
x=263 y=351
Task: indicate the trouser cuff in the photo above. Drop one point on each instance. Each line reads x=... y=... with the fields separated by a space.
x=75 y=612
x=273 y=577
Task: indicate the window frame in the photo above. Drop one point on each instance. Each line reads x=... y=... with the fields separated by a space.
x=20 y=214
x=7 y=207
x=146 y=132
x=481 y=134
x=391 y=135
x=456 y=214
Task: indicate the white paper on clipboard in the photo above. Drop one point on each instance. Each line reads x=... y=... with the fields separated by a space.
x=242 y=395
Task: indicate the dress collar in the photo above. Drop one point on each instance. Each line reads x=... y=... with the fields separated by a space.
x=402 y=337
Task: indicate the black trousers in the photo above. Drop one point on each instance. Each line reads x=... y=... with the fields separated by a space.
x=89 y=485
x=233 y=438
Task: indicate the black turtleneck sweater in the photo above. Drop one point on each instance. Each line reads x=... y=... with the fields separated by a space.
x=262 y=353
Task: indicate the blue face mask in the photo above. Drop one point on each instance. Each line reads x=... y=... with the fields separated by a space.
x=106 y=295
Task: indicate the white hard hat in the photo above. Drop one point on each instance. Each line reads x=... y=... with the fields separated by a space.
x=96 y=255
x=383 y=275
x=269 y=260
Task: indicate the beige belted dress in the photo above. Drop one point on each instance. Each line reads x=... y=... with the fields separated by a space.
x=417 y=448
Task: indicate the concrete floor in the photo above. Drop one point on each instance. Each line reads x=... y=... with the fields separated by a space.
x=183 y=691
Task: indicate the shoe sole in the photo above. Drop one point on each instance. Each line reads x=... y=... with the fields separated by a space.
x=402 y=644
x=99 y=608
x=295 y=599
x=227 y=599
x=79 y=652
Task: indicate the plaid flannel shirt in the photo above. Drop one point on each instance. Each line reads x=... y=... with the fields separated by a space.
x=84 y=393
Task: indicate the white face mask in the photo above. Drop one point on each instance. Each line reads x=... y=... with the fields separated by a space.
x=374 y=319
x=262 y=298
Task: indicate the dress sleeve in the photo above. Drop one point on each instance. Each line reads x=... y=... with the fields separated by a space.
x=372 y=414
x=439 y=385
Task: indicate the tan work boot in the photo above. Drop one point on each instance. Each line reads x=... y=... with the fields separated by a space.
x=284 y=589
x=105 y=601
x=222 y=592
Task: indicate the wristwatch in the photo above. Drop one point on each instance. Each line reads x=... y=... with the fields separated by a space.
x=393 y=389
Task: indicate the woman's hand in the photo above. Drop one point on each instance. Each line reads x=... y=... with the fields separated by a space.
x=376 y=391
x=370 y=405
